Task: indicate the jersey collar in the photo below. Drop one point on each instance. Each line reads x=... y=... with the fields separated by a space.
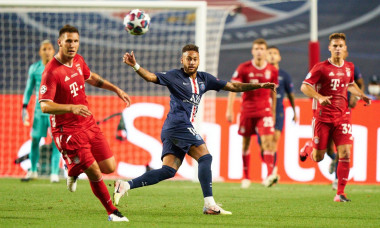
x=259 y=68
x=329 y=59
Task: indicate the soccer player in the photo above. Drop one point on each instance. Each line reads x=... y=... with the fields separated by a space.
x=41 y=121
x=258 y=109
x=285 y=85
x=328 y=83
x=186 y=85
x=75 y=132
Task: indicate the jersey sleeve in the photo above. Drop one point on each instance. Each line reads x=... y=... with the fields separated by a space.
x=288 y=83
x=48 y=86
x=214 y=83
x=86 y=70
x=163 y=78
x=238 y=74
x=313 y=76
x=30 y=84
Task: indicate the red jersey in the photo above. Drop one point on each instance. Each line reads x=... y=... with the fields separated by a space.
x=64 y=84
x=258 y=102
x=331 y=80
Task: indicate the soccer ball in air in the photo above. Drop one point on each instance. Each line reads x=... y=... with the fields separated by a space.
x=137 y=22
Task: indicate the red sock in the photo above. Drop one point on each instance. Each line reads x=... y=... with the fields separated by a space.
x=246 y=158
x=342 y=172
x=269 y=161
x=100 y=190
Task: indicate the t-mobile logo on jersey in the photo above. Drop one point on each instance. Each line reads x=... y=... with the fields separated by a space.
x=74 y=88
x=334 y=83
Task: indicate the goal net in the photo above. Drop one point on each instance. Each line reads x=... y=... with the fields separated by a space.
x=133 y=133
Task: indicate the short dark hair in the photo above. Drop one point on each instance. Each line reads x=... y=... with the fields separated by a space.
x=337 y=36
x=260 y=41
x=68 y=28
x=190 y=47
x=273 y=47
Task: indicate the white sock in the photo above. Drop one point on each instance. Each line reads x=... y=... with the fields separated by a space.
x=209 y=201
x=126 y=185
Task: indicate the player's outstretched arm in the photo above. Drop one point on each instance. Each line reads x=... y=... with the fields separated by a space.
x=97 y=81
x=310 y=92
x=242 y=87
x=129 y=59
x=56 y=109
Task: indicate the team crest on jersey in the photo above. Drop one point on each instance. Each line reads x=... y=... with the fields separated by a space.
x=316 y=140
x=267 y=74
x=80 y=71
x=43 y=89
x=76 y=160
x=348 y=72
x=202 y=86
x=235 y=74
x=242 y=130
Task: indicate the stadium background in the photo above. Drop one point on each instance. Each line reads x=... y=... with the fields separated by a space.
x=358 y=19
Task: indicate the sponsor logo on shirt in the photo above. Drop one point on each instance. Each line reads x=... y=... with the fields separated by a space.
x=67 y=78
x=308 y=75
x=185 y=83
x=331 y=74
x=251 y=75
x=43 y=89
x=74 y=75
x=340 y=74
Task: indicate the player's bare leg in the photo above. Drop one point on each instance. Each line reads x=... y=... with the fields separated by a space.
x=246 y=182
x=107 y=166
x=100 y=190
x=343 y=172
x=170 y=165
x=204 y=159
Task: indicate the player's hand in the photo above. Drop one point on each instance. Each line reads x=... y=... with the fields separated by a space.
x=295 y=118
x=25 y=117
x=81 y=110
x=366 y=99
x=230 y=116
x=129 y=59
x=324 y=100
x=124 y=96
x=269 y=85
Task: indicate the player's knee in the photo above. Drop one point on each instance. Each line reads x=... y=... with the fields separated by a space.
x=109 y=169
x=168 y=171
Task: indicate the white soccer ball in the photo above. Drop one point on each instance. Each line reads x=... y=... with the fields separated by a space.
x=137 y=22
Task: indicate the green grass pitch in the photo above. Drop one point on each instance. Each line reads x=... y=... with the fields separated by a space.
x=179 y=204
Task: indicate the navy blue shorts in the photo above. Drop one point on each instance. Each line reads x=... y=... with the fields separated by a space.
x=279 y=125
x=178 y=141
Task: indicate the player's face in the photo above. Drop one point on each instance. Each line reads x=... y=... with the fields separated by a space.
x=46 y=52
x=338 y=48
x=273 y=56
x=259 y=51
x=190 y=61
x=69 y=44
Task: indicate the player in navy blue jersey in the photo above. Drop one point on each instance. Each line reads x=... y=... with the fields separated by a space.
x=186 y=86
x=285 y=85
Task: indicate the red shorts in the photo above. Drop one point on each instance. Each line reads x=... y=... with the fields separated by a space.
x=250 y=126
x=340 y=132
x=81 y=149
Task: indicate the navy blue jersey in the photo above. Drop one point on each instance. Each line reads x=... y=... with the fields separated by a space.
x=185 y=95
x=285 y=85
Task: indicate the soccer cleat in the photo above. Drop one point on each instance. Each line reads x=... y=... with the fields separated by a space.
x=341 y=198
x=245 y=183
x=71 y=183
x=335 y=184
x=271 y=180
x=215 y=210
x=30 y=176
x=54 y=178
x=306 y=150
x=120 y=190
x=116 y=216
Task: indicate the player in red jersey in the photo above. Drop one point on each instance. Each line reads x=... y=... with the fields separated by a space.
x=75 y=132
x=257 y=109
x=328 y=83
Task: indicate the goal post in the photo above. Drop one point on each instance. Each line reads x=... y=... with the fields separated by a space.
x=24 y=24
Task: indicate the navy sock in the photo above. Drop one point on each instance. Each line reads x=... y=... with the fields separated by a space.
x=204 y=174
x=153 y=177
x=331 y=155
